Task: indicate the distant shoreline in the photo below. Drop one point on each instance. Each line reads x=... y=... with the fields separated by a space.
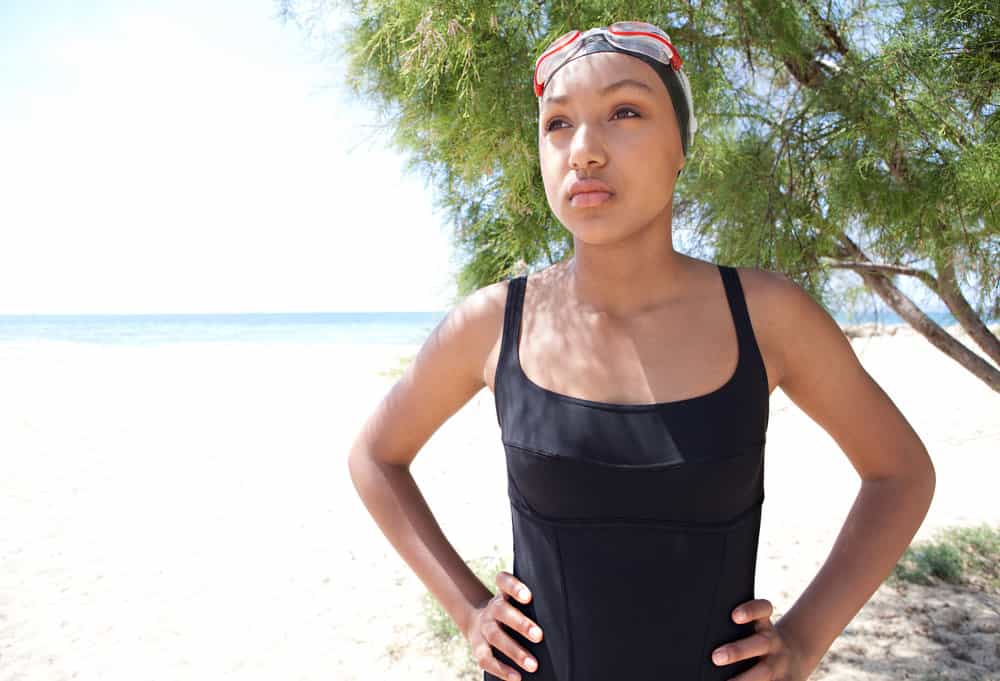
x=325 y=330
x=866 y=329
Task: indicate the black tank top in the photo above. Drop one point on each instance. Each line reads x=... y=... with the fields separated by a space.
x=635 y=525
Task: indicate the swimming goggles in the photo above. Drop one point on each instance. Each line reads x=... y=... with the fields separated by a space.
x=632 y=36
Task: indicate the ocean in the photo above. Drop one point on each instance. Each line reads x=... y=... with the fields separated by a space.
x=323 y=328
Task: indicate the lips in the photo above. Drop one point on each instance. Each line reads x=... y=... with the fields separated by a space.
x=589 y=185
x=588 y=199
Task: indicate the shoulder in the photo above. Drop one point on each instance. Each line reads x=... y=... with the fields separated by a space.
x=472 y=328
x=478 y=318
x=781 y=302
x=795 y=327
x=446 y=372
x=768 y=284
x=769 y=292
x=820 y=372
x=483 y=304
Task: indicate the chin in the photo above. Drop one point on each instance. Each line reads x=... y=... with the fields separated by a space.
x=596 y=233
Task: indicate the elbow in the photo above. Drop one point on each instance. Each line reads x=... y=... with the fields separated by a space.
x=923 y=478
x=931 y=478
x=915 y=477
x=927 y=472
x=358 y=466
x=365 y=468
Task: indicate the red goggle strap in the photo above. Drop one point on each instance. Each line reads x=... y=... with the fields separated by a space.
x=539 y=87
x=675 y=58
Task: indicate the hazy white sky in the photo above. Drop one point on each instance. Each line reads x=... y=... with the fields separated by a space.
x=191 y=156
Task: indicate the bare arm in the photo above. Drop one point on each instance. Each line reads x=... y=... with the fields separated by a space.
x=819 y=371
x=446 y=373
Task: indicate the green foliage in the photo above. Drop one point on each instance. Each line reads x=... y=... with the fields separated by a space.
x=957 y=555
x=818 y=122
x=941 y=561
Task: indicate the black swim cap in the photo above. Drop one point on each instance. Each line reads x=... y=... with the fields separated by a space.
x=683 y=107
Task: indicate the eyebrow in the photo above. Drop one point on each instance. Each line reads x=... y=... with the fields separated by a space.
x=626 y=82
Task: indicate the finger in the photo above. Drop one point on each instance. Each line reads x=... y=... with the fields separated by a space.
x=495 y=635
x=762 y=671
x=517 y=620
x=752 y=610
x=761 y=643
x=513 y=586
x=764 y=624
x=486 y=660
x=499 y=669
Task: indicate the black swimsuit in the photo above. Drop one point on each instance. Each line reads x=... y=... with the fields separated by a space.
x=635 y=525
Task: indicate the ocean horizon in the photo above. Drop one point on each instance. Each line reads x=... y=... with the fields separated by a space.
x=311 y=328
x=323 y=328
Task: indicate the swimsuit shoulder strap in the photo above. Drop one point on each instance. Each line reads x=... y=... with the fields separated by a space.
x=508 y=358
x=750 y=357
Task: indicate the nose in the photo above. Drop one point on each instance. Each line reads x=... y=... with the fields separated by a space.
x=586 y=147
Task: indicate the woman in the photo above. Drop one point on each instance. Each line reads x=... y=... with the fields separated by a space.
x=631 y=384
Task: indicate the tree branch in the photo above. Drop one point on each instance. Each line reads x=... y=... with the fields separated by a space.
x=923 y=275
x=915 y=317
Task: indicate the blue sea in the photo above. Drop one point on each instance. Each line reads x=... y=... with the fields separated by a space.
x=367 y=328
x=324 y=328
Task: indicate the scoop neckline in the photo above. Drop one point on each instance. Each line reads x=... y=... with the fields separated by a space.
x=638 y=406
x=622 y=406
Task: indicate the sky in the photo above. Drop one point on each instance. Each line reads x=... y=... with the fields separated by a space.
x=191 y=156
x=202 y=157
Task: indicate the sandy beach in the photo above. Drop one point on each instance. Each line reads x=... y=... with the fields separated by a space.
x=184 y=512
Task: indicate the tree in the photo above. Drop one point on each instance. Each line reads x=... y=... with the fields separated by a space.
x=832 y=136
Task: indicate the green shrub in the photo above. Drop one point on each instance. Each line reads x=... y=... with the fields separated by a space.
x=956 y=555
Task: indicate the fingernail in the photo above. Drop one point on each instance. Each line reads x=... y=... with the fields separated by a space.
x=523 y=593
x=530 y=664
x=512 y=676
x=535 y=633
x=720 y=657
x=741 y=615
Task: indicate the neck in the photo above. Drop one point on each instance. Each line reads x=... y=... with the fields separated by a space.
x=628 y=277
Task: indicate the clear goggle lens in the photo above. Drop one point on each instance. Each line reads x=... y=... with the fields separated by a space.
x=634 y=36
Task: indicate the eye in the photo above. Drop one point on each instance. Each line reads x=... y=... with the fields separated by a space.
x=627 y=108
x=549 y=126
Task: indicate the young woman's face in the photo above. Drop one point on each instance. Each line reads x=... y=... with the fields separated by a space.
x=626 y=137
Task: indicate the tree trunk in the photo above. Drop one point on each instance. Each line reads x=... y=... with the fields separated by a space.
x=915 y=317
x=951 y=294
x=924 y=325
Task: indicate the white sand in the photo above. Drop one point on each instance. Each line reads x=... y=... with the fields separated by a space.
x=184 y=511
